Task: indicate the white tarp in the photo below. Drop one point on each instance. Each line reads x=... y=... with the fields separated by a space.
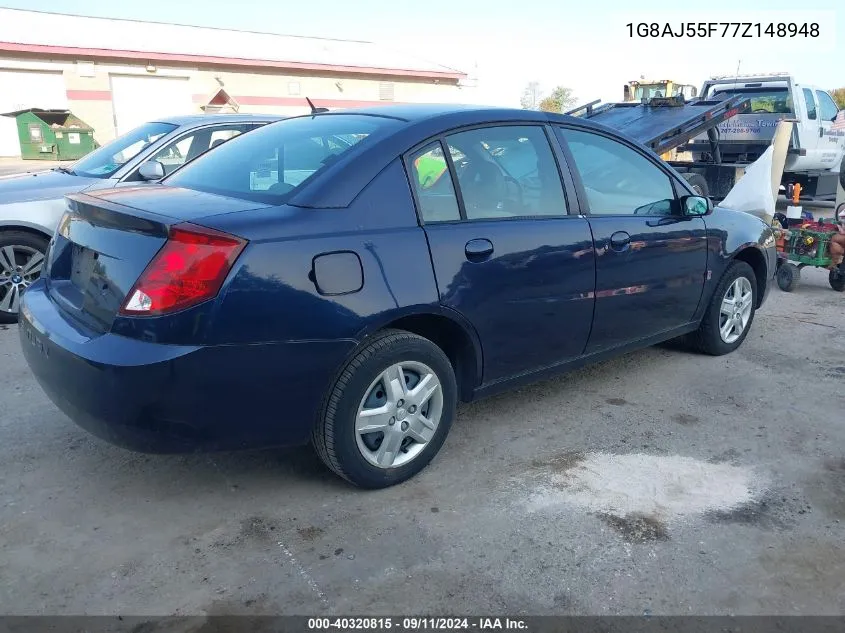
x=753 y=192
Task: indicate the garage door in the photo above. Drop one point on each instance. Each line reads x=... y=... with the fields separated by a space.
x=137 y=100
x=25 y=89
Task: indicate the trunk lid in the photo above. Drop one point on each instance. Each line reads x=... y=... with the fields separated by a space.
x=174 y=203
x=104 y=243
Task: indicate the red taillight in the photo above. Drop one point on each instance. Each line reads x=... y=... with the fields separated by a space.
x=189 y=269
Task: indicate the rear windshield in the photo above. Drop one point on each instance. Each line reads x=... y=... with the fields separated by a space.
x=763 y=100
x=271 y=163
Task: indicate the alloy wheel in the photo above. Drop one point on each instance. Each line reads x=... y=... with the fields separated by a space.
x=735 y=311
x=20 y=267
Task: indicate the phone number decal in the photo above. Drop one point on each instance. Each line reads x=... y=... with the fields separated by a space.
x=722 y=30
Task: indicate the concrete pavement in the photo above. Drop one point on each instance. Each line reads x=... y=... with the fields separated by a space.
x=663 y=482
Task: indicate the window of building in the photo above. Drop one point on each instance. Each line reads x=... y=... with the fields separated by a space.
x=385 y=91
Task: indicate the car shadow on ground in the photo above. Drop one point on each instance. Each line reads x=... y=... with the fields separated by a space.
x=138 y=475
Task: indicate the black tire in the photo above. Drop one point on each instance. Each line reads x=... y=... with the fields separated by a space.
x=836 y=278
x=789 y=275
x=842 y=173
x=707 y=338
x=18 y=238
x=698 y=183
x=334 y=436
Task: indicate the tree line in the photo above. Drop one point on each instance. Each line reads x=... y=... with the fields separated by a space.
x=533 y=98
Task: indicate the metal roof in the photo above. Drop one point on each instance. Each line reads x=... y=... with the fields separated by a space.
x=83 y=36
x=36 y=110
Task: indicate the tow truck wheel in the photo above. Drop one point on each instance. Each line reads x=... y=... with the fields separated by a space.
x=836 y=278
x=842 y=173
x=698 y=183
x=788 y=277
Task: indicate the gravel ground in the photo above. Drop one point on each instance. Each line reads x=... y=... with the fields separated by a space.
x=662 y=482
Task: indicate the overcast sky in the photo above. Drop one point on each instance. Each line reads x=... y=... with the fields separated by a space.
x=588 y=51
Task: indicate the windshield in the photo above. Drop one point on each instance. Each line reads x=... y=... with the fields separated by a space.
x=649 y=91
x=271 y=163
x=763 y=100
x=104 y=162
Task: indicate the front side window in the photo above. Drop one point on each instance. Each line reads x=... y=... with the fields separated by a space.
x=617 y=179
x=105 y=161
x=175 y=154
x=827 y=106
x=811 y=104
x=507 y=171
x=271 y=163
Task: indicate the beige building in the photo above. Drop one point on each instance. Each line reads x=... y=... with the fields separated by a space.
x=116 y=74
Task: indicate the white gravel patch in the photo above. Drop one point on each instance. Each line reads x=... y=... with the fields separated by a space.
x=663 y=486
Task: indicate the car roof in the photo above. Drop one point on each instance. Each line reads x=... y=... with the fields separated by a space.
x=201 y=119
x=337 y=186
x=419 y=112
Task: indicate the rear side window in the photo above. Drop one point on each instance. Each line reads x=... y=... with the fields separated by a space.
x=507 y=171
x=271 y=163
x=763 y=100
x=502 y=172
x=811 y=104
x=433 y=184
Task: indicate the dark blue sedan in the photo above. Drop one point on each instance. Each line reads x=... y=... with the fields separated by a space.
x=345 y=278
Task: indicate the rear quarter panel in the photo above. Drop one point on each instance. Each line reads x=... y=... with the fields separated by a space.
x=273 y=294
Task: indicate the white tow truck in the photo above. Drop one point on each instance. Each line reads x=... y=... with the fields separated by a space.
x=816 y=155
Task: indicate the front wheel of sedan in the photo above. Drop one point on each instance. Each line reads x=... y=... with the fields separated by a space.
x=389 y=411
x=21 y=259
x=730 y=313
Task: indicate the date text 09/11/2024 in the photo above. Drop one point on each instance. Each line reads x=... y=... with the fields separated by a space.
x=723 y=29
x=417 y=624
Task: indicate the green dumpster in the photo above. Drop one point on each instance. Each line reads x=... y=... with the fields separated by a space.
x=52 y=134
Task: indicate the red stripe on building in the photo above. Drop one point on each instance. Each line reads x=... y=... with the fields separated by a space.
x=142 y=56
x=89 y=95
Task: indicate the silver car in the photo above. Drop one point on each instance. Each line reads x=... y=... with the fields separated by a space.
x=32 y=203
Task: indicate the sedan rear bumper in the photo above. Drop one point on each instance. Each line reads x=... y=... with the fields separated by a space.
x=156 y=398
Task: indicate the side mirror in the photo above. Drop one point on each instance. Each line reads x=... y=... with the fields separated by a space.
x=697 y=205
x=152 y=170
